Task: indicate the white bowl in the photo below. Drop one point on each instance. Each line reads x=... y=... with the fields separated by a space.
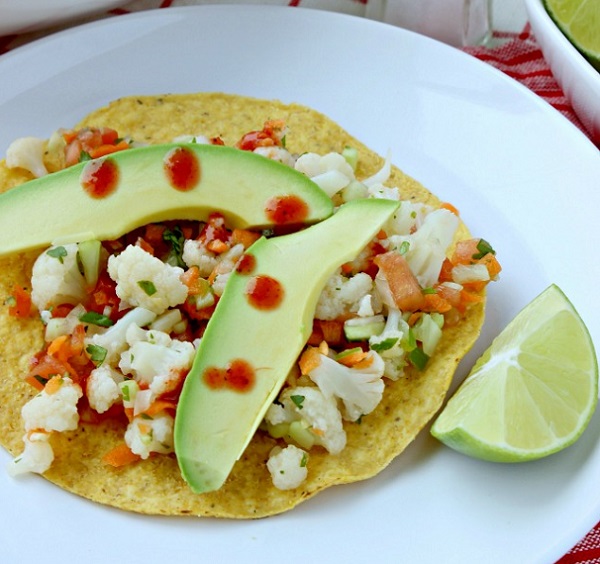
x=20 y=16
x=579 y=80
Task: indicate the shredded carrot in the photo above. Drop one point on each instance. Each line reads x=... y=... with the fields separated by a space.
x=33 y=381
x=107 y=149
x=365 y=362
x=414 y=317
x=158 y=406
x=53 y=385
x=129 y=413
x=381 y=234
x=143 y=244
x=120 y=455
x=354 y=358
x=435 y=302
x=190 y=278
x=324 y=348
x=309 y=360
x=244 y=236
x=57 y=345
x=448 y=206
x=217 y=246
x=318 y=432
x=491 y=263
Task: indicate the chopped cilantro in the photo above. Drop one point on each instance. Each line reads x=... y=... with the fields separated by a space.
x=484 y=248
x=58 y=253
x=385 y=345
x=97 y=354
x=84 y=156
x=298 y=401
x=148 y=287
x=418 y=358
x=96 y=319
x=429 y=291
x=304 y=460
x=404 y=247
x=176 y=239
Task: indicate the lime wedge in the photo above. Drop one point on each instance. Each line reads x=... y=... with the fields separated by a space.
x=532 y=393
x=579 y=20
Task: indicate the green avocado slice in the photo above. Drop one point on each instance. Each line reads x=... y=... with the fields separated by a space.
x=260 y=325
x=108 y=197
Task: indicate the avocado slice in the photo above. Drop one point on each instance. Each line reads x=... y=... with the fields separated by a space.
x=108 y=197
x=260 y=325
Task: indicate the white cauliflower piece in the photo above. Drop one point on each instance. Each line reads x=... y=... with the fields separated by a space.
x=320 y=414
x=276 y=153
x=113 y=340
x=27 y=153
x=56 y=411
x=388 y=344
x=144 y=435
x=156 y=360
x=331 y=172
x=102 y=388
x=360 y=389
x=36 y=457
x=407 y=218
x=343 y=295
x=384 y=192
x=56 y=279
x=146 y=281
x=428 y=246
x=288 y=467
x=196 y=254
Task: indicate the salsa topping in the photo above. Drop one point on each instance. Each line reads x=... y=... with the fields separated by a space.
x=100 y=178
x=182 y=169
x=264 y=292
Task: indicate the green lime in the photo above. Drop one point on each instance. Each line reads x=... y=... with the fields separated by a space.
x=532 y=393
x=579 y=20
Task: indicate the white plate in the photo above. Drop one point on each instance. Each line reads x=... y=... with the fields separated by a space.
x=579 y=80
x=523 y=177
x=20 y=16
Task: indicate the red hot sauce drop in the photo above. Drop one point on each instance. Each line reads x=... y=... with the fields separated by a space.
x=100 y=178
x=246 y=264
x=182 y=168
x=264 y=292
x=238 y=376
x=282 y=210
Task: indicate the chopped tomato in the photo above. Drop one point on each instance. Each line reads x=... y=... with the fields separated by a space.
x=404 y=287
x=270 y=135
x=22 y=302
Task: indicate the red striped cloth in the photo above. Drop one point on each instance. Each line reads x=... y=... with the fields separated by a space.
x=520 y=57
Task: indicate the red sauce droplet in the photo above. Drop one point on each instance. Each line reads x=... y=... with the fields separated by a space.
x=264 y=292
x=182 y=168
x=238 y=376
x=100 y=178
x=286 y=209
x=246 y=264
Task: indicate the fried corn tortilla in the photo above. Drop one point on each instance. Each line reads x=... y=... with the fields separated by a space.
x=155 y=486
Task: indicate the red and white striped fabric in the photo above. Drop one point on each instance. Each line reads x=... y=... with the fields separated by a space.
x=517 y=54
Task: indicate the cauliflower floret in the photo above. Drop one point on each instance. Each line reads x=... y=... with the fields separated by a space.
x=196 y=254
x=428 y=246
x=343 y=295
x=114 y=340
x=360 y=390
x=388 y=344
x=320 y=414
x=330 y=172
x=27 y=153
x=407 y=218
x=155 y=359
x=103 y=388
x=276 y=153
x=144 y=435
x=146 y=281
x=56 y=279
x=36 y=457
x=56 y=411
x=287 y=467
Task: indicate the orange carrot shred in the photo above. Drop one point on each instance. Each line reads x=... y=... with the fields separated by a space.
x=120 y=455
x=309 y=360
x=53 y=385
x=354 y=358
x=448 y=206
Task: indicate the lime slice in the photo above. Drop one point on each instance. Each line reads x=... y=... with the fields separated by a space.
x=579 y=20
x=532 y=393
